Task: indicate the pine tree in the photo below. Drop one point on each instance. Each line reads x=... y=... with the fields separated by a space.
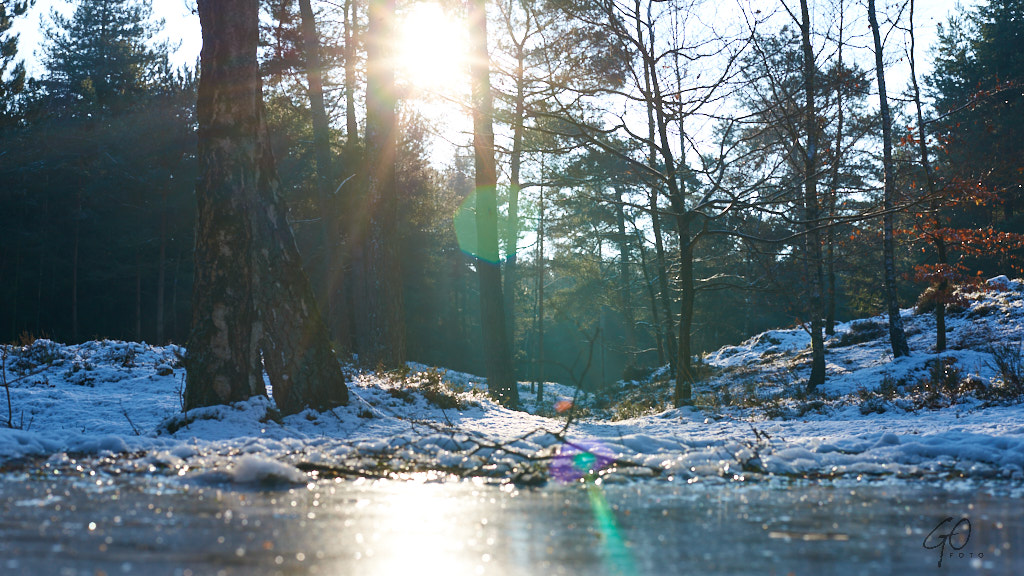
x=101 y=56
x=897 y=336
x=250 y=294
x=500 y=373
x=976 y=84
x=15 y=76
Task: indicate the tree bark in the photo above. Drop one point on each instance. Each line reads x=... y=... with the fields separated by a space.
x=381 y=307
x=812 y=238
x=250 y=290
x=669 y=339
x=500 y=375
x=161 y=273
x=223 y=349
x=683 y=392
x=512 y=235
x=326 y=176
x=540 y=300
x=625 y=286
x=297 y=353
x=897 y=336
x=942 y=286
x=833 y=196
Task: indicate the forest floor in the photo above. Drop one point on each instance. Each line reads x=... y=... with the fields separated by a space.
x=959 y=414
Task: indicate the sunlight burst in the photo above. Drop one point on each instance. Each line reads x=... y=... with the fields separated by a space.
x=431 y=50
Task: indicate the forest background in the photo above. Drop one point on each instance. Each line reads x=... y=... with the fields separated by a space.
x=668 y=182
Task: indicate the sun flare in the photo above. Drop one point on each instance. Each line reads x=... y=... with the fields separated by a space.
x=431 y=50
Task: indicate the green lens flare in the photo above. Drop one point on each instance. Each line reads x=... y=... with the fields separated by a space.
x=467 y=234
x=584 y=462
x=615 y=550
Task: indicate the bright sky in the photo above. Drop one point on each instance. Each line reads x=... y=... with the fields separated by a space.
x=430 y=52
x=182 y=25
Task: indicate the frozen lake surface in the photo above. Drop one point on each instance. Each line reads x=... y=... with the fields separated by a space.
x=152 y=524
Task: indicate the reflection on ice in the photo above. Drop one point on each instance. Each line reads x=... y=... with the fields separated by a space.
x=139 y=524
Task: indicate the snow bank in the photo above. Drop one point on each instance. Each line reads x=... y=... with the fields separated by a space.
x=106 y=398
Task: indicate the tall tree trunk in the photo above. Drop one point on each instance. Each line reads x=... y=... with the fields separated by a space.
x=669 y=338
x=812 y=238
x=625 y=285
x=74 y=268
x=161 y=273
x=942 y=286
x=897 y=336
x=353 y=217
x=329 y=232
x=382 y=307
x=351 y=123
x=649 y=282
x=500 y=375
x=297 y=353
x=250 y=290
x=683 y=393
x=223 y=346
x=833 y=194
x=512 y=234
x=540 y=301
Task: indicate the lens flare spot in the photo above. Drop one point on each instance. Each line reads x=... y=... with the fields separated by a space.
x=466 y=232
x=580 y=460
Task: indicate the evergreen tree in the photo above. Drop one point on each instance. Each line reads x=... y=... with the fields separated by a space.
x=12 y=80
x=101 y=56
x=501 y=381
x=976 y=84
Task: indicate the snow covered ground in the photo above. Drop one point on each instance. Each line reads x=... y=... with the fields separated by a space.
x=928 y=416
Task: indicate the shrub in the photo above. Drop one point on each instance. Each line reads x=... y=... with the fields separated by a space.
x=1008 y=362
x=39 y=353
x=429 y=384
x=636 y=373
x=636 y=407
x=861 y=331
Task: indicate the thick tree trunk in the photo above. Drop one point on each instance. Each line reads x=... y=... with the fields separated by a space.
x=812 y=238
x=897 y=336
x=297 y=353
x=250 y=290
x=223 y=349
x=500 y=375
x=683 y=393
x=383 y=326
